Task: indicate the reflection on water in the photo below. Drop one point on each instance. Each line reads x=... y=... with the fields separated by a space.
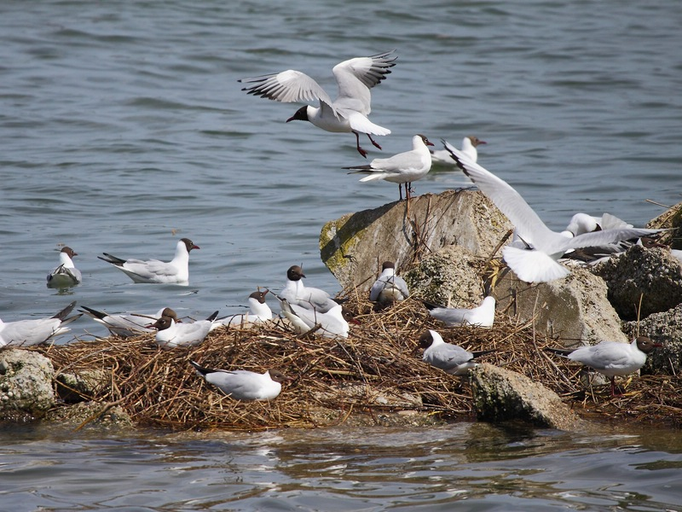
x=510 y=468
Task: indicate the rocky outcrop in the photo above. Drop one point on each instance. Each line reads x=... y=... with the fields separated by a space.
x=664 y=328
x=650 y=277
x=73 y=387
x=502 y=395
x=25 y=384
x=354 y=246
x=575 y=308
x=452 y=275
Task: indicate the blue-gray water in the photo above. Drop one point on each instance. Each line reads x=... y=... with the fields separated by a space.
x=123 y=128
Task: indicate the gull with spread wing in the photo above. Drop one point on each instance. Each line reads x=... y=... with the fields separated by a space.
x=534 y=257
x=348 y=113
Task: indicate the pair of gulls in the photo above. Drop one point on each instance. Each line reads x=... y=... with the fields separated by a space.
x=534 y=253
x=349 y=112
x=610 y=358
x=176 y=271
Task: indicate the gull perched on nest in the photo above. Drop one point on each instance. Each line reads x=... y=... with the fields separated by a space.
x=481 y=316
x=611 y=358
x=452 y=359
x=243 y=384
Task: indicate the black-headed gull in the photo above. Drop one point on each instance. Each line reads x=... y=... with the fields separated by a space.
x=403 y=168
x=127 y=324
x=534 y=259
x=584 y=223
x=481 y=316
x=66 y=274
x=332 y=324
x=25 y=333
x=171 y=334
x=244 y=384
x=469 y=145
x=348 y=113
x=453 y=359
x=259 y=312
x=611 y=358
x=388 y=287
x=175 y=271
x=295 y=292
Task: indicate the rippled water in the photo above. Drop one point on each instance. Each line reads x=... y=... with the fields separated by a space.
x=474 y=466
x=123 y=128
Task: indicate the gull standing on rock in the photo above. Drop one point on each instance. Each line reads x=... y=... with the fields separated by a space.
x=172 y=335
x=25 y=333
x=295 y=292
x=243 y=384
x=469 y=145
x=175 y=271
x=611 y=358
x=534 y=256
x=403 y=168
x=452 y=359
x=388 y=287
x=66 y=274
x=481 y=316
x=348 y=113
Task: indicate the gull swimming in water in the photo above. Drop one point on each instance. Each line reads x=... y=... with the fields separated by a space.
x=481 y=316
x=534 y=256
x=348 y=112
x=469 y=145
x=452 y=359
x=244 y=384
x=611 y=358
x=403 y=168
x=175 y=271
x=26 y=333
x=388 y=287
x=66 y=274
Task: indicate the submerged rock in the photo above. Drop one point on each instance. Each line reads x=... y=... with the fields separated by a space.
x=25 y=384
x=502 y=395
x=354 y=246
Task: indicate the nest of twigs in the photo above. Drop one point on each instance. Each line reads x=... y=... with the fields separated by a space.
x=376 y=370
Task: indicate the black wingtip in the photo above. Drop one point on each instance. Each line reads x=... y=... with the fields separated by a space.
x=99 y=314
x=65 y=312
x=213 y=316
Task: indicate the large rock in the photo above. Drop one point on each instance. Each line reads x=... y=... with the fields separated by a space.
x=354 y=246
x=576 y=308
x=652 y=276
x=451 y=276
x=664 y=328
x=25 y=383
x=501 y=395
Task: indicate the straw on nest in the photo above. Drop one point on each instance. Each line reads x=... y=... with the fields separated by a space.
x=377 y=369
